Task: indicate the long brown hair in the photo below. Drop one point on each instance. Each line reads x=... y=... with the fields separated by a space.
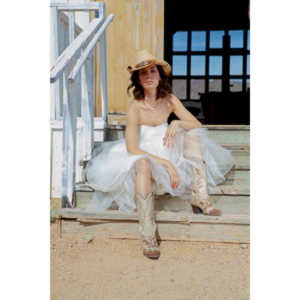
x=163 y=89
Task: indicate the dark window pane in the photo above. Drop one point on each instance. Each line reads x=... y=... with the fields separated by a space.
x=198 y=40
x=216 y=38
x=236 y=65
x=197 y=65
x=248 y=40
x=236 y=38
x=215 y=85
x=179 y=88
x=215 y=65
x=236 y=85
x=248 y=64
x=180 y=41
x=197 y=86
x=248 y=83
x=179 y=65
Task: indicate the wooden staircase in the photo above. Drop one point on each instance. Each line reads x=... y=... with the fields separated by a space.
x=174 y=216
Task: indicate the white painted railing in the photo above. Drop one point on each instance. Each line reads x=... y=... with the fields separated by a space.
x=68 y=65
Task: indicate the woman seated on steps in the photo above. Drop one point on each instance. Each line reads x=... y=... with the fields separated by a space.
x=154 y=157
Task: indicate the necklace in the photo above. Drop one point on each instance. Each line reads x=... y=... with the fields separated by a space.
x=152 y=107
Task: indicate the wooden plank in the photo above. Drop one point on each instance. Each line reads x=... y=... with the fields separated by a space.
x=65 y=20
x=69 y=145
x=54 y=88
x=237 y=147
x=71 y=16
x=120 y=118
x=77 y=6
x=238 y=181
x=70 y=52
x=242 y=159
x=90 y=48
x=58 y=124
x=227 y=127
x=230 y=204
x=235 y=209
x=225 y=233
x=230 y=136
x=160 y=216
x=102 y=46
x=87 y=113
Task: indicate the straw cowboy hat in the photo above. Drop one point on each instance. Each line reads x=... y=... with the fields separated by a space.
x=145 y=59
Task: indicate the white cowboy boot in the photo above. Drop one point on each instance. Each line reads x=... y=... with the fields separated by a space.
x=200 y=197
x=147 y=225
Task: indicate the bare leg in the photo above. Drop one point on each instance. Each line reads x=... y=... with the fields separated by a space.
x=144 y=199
x=200 y=198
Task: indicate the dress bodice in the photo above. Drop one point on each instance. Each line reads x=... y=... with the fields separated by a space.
x=148 y=132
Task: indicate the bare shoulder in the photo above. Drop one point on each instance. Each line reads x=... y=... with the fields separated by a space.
x=133 y=111
x=174 y=101
x=132 y=105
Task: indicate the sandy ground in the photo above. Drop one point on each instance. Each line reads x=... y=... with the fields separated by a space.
x=102 y=268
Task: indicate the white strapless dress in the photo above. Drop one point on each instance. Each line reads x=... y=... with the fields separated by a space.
x=112 y=172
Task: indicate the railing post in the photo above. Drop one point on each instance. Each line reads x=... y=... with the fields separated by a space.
x=102 y=48
x=69 y=144
x=54 y=88
x=71 y=16
x=87 y=113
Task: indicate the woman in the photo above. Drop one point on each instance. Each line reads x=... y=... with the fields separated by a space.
x=154 y=157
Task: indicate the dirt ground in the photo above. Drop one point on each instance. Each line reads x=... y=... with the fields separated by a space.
x=112 y=269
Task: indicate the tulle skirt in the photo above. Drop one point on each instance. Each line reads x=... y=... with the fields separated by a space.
x=112 y=172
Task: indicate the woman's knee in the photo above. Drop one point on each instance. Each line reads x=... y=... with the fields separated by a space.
x=143 y=165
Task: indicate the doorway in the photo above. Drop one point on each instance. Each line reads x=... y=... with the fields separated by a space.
x=208 y=47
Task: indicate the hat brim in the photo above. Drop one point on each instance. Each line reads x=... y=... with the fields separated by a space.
x=166 y=67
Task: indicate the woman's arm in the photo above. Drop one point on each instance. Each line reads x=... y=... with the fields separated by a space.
x=187 y=120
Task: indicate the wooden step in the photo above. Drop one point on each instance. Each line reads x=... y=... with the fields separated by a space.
x=242 y=159
x=230 y=204
x=232 y=226
x=174 y=217
x=230 y=136
x=237 y=183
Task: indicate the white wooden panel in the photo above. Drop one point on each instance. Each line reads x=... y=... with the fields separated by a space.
x=87 y=111
x=56 y=163
x=77 y=6
x=90 y=47
x=69 y=145
x=55 y=87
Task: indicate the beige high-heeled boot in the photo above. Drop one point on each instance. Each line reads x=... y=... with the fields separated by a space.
x=147 y=225
x=200 y=197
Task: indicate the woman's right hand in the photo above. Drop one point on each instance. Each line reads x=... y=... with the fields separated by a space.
x=174 y=176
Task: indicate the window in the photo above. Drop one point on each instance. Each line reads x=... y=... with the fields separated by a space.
x=202 y=63
x=215 y=65
x=180 y=41
x=197 y=65
x=198 y=41
x=248 y=64
x=216 y=38
x=236 y=65
x=197 y=86
x=179 y=88
x=215 y=85
x=236 y=38
x=236 y=85
x=179 y=65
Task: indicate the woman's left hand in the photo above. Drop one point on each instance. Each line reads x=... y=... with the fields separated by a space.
x=171 y=134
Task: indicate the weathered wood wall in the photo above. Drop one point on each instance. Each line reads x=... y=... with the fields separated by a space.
x=138 y=24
